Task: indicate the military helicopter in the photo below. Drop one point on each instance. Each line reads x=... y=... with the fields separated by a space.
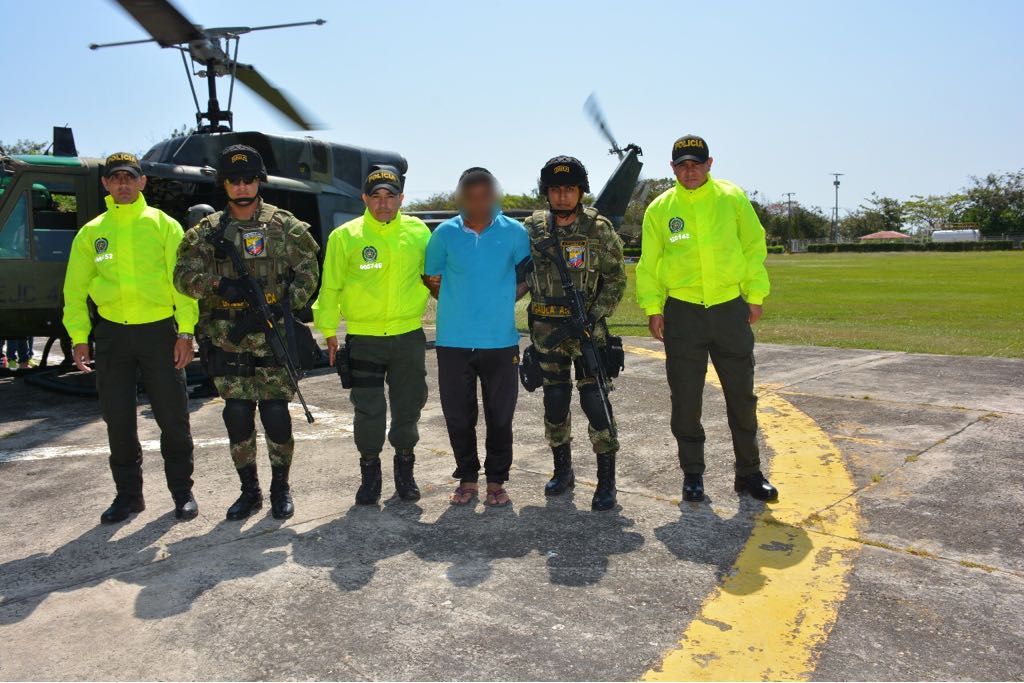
x=44 y=199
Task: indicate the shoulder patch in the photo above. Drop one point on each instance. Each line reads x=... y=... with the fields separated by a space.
x=192 y=237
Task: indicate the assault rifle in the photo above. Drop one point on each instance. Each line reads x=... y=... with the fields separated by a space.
x=264 y=316
x=582 y=327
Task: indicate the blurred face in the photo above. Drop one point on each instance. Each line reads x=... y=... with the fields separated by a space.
x=564 y=197
x=242 y=190
x=477 y=201
x=383 y=204
x=124 y=187
x=692 y=175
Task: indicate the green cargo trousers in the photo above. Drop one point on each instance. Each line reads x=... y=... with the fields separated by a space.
x=692 y=333
x=400 y=362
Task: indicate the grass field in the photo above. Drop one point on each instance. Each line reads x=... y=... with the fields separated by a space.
x=956 y=303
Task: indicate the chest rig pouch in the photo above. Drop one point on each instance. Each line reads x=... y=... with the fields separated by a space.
x=577 y=245
x=261 y=244
x=548 y=299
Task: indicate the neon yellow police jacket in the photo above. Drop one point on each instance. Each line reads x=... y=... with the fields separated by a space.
x=372 y=276
x=124 y=261
x=703 y=246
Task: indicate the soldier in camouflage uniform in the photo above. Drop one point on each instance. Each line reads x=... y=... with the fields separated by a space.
x=593 y=254
x=282 y=255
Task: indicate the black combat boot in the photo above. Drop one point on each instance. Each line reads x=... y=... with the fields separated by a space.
x=405 y=483
x=693 y=487
x=251 y=499
x=369 y=489
x=604 y=496
x=281 y=506
x=122 y=508
x=563 y=477
x=757 y=486
x=185 y=506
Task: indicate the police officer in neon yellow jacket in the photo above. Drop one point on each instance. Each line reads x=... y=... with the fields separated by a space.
x=372 y=275
x=124 y=261
x=701 y=280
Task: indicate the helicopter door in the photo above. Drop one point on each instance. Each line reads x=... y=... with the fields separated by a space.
x=54 y=215
x=39 y=217
x=14 y=229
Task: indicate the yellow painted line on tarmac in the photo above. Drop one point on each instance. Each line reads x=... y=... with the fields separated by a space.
x=774 y=610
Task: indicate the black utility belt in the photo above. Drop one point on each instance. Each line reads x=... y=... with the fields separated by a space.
x=221 y=363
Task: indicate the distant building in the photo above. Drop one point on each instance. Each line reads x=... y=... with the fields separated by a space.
x=886 y=235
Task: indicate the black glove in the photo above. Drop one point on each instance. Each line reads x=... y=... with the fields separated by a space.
x=230 y=289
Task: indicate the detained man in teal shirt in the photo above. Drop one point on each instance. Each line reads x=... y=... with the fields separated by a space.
x=475 y=266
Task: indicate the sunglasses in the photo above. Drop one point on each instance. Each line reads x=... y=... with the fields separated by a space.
x=242 y=180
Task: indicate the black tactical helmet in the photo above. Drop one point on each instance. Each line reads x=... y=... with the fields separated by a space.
x=563 y=170
x=240 y=160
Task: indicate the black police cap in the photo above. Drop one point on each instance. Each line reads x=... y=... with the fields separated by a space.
x=387 y=177
x=690 y=148
x=122 y=161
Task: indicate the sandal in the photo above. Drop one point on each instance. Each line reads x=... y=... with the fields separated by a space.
x=494 y=496
x=463 y=495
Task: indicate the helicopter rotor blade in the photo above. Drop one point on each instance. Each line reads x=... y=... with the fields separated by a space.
x=251 y=78
x=242 y=30
x=593 y=110
x=162 y=20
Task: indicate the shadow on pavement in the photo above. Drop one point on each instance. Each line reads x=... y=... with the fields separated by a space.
x=576 y=545
x=83 y=562
x=701 y=535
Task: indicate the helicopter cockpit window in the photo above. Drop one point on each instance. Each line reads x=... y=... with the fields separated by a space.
x=54 y=219
x=14 y=231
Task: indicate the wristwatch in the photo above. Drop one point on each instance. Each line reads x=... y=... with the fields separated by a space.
x=186 y=336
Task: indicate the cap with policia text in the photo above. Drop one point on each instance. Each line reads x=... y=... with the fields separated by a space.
x=690 y=148
x=122 y=161
x=385 y=177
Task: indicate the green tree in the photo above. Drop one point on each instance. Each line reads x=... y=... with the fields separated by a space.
x=996 y=203
x=885 y=212
x=929 y=213
x=24 y=146
x=780 y=226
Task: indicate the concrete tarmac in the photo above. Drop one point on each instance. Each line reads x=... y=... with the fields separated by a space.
x=926 y=583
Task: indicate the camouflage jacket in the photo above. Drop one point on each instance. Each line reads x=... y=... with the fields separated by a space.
x=593 y=253
x=278 y=251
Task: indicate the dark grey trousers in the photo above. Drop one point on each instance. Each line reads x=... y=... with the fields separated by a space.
x=400 y=362
x=692 y=334
x=123 y=352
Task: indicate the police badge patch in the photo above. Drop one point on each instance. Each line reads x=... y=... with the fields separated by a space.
x=255 y=243
x=101 y=245
x=575 y=254
x=675 y=225
x=369 y=254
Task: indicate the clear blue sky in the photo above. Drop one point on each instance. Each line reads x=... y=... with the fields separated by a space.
x=904 y=97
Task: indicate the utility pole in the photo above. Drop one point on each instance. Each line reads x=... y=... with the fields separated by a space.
x=789 y=215
x=835 y=212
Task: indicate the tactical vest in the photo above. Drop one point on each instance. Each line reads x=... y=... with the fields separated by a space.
x=261 y=244
x=581 y=254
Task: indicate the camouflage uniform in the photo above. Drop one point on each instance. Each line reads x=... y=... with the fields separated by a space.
x=282 y=255
x=593 y=253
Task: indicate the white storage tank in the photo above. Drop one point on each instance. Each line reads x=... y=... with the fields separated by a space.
x=956 y=236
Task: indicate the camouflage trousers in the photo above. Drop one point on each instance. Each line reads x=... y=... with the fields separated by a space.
x=266 y=383
x=240 y=420
x=243 y=453
x=555 y=364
